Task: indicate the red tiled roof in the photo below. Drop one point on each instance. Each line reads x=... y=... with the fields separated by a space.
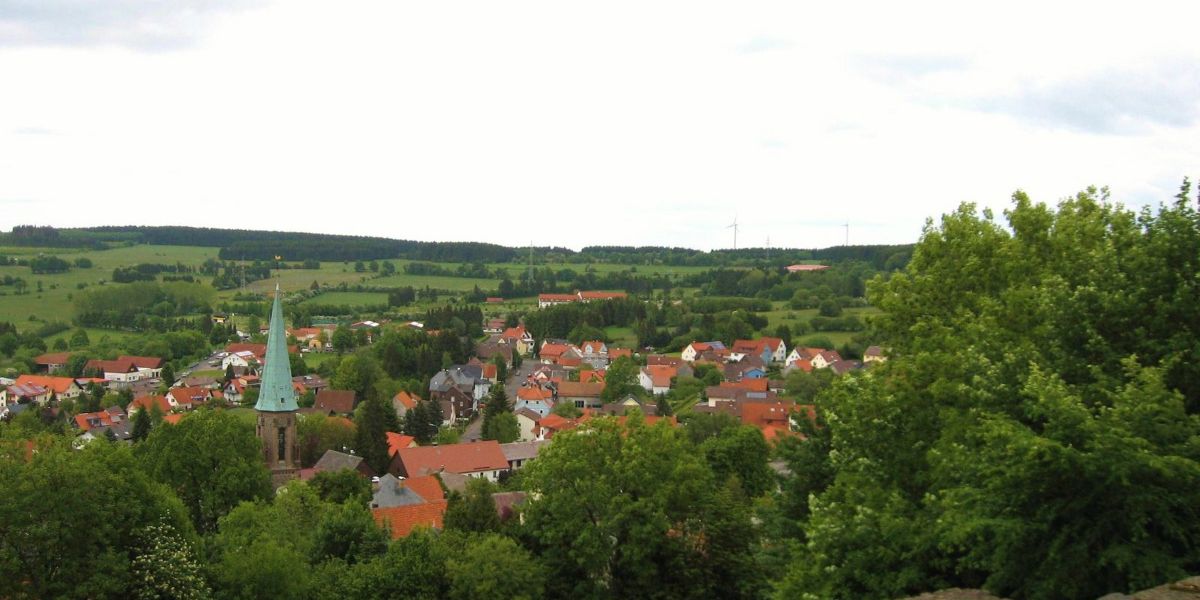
x=590 y=376
x=427 y=487
x=514 y=332
x=803 y=364
x=556 y=423
x=84 y=420
x=489 y=371
x=173 y=418
x=401 y=520
x=602 y=295
x=802 y=268
x=338 y=401
x=110 y=366
x=190 y=395
x=408 y=400
x=534 y=393
x=615 y=353
x=762 y=414
x=147 y=402
x=753 y=385
x=597 y=346
x=396 y=441
x=58 y=385
x=557 y=298
x=453 y=458
x=553 y=350
x=143 y=362
x=53 y=358
x=574 y=389
x=660 y=375
x=661 y=359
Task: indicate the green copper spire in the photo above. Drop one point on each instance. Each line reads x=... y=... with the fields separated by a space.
x=276 y=393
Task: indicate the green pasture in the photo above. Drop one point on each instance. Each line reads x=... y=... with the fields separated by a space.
x=349 y=299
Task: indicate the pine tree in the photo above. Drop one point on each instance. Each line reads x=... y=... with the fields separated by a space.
x=141 y=425
x=370 y=439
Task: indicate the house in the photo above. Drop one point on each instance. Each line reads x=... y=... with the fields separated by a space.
x=566 y=355
x=494 y=326
x=333 y=460
x=150 y=367
x=756 y=348
x=52 y=362
x=518 y=338
x=507 y=503
x=402 y=520
x=662 y=359
x=338 y=402
x=825 y=358
x=594 y=353
x=112 y=418
x=656 y=379
x=583 y=395
x=150 y=402
x=28 y=393
x=490 y=372
x=805 y=268
x=482 y=459
x=527 y=419
x=590 y=376
x=467 y=378
x=449 y=412
x=552 y=424
x=592 y=296
x=802 y=353
x=392 y=491
x=311 y=382
x=404 y=402
x=695 y=349
x=61 y=387
x=547 y=300
x=247 y=355
x=518 y=453
x=749 y=367
x=188 y=397
x=801 y=364
x=489 y=350
x=615 y=353
x=874 y=354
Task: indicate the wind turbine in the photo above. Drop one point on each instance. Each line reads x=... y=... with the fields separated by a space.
x=847 y=226
x=734 y=227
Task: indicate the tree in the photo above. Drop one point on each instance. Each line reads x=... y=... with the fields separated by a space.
x=741 y=452
x=213 y=460
x=501 y=369
x=632 y=513
x=165 y=566
x=141 y=426
x=620 y=380
x=473 y=510
x=79 y=339
x=370 y=437
x=168 y=374
x=317 y=434
x=348 y=533
x=343 y=339
x=498 y=421
x=341 y=486
x=46 y=553
x=495 y=567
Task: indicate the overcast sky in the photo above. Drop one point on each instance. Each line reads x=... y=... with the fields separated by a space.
x=572 y=124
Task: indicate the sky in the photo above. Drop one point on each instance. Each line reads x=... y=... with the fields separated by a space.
x=587 y=123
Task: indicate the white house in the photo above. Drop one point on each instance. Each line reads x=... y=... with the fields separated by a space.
x=695 y=349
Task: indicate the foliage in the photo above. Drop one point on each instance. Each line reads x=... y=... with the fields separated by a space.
x=211 y=459
x=495 y=567
x=344 y=485
x=71 y=520
x=473 y=510
x=165 y=566
x=370 y=435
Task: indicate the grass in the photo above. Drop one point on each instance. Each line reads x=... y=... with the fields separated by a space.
x=314 y=359
x=622 y=337
x=95 y=336
x=437 y=282
x=349 y=299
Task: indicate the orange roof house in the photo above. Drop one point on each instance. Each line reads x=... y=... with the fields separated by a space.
x=63 y=387
x=149 y=402
x=402 y=520
x=478 y=458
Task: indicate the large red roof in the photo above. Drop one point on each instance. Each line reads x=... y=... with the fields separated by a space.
x=453 y=458
x=402 y=520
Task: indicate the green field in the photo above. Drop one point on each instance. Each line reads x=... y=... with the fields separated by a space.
x=437 y=282
x=349 y=299
x=622 y=337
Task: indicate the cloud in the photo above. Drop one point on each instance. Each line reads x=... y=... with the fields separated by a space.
x=33 y=130
x=157 y=25
x=1110 y=101
x=900 y=68
x=762 y=43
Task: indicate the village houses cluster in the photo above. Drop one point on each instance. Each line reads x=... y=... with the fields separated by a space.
x=409 y=494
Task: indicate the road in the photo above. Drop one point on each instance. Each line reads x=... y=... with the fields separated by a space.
x=474 y=430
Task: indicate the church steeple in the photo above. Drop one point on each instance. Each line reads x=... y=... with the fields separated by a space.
x=276 y=393
x=276 y=405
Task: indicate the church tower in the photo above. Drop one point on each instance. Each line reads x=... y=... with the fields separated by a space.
x=276 y=405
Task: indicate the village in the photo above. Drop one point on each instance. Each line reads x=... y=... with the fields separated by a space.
x=548 y=386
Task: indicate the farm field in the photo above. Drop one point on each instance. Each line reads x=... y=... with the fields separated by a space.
x=622 y=337
x=349 y=299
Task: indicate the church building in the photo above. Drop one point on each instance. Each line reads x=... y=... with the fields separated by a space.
x=277 y=406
